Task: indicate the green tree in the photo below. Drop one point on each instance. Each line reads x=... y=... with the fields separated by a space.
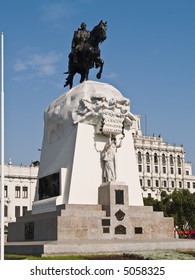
x=183 y=208
x=180 y=205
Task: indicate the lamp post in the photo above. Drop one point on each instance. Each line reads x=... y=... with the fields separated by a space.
x=2 y=146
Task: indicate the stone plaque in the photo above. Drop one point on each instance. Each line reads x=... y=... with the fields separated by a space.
x=49 y=186
x=120 y=229
x=138 y=230
x=120 y=215
x=119 y=196
x=29 y=231
x=106 y=230
x=112 y=125
x=105 y=222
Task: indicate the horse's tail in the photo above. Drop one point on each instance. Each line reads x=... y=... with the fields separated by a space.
x=68 y=80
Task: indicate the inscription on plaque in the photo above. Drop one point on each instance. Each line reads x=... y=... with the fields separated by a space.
x=120 y=229
x=112 y=125
x=119 y=196
x=138 y=230
x=49 y=186
x=105 y=222
x=106 y=230
x=120 y=215
x=29 y=231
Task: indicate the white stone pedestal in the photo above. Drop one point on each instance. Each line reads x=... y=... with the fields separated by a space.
x=73 y=142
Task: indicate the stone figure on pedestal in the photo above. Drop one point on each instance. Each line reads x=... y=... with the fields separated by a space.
x=108 y=157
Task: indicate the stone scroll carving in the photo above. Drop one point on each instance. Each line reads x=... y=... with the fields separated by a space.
x=109 y=115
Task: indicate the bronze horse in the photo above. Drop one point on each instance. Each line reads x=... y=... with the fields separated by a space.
x=87 y=55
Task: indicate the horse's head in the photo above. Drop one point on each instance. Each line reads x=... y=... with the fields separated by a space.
x=99 y=31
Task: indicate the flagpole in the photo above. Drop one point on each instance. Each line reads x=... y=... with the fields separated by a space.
x=2 y=146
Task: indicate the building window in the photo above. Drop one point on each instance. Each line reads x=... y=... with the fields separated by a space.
x=157 y=183
x=149 y=183
x=171 y=159
x=17 y=192
x=156 y=169
x=140 y=168
x=148 y=168
x=149 y=195
x=25 y=192
x=165 y=184
x=178 y=160
x=172 y=184
x=193 y=185
x=139 y=157
x=164 y=169
x=179 y=171
x=187 y=172
x=188 y=185
x=5 y=191
x=140 y=182
x=163 y=159
x=147 y=158
x=172 y=170
x=180 y=184
x=5 y=211
x=155 y=158
x=17 y=211
x=24 y=210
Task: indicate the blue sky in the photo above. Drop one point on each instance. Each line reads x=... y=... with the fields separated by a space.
x=149 y=56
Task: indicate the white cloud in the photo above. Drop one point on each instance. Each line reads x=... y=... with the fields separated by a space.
x=19 y=65
x=38 y=64
x=57 y=11
x=111 y=75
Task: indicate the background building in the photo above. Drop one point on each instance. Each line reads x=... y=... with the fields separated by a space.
x=162 y=167
x=19 y=190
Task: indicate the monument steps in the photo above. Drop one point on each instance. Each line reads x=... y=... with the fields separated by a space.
x=80 y=206
x=76 y=247
x=147 y=214
x=83 y=210
x=84 y=214
x=140 y=208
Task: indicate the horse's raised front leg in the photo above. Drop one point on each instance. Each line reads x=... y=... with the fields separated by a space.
x=99 y=63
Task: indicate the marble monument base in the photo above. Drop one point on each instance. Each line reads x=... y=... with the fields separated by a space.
x=112 y=220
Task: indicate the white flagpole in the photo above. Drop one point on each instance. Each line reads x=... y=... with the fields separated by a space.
x=2 y=146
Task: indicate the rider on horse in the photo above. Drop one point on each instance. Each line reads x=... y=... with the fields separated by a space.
x=85 y=52
x=79 y=38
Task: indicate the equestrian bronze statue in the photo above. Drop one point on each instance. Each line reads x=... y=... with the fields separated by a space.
x=85 y=52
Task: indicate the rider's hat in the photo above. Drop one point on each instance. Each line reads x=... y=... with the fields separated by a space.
x=83 y=24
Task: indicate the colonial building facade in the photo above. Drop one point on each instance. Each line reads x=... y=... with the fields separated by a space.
x=19 y=190
x=162 y=167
